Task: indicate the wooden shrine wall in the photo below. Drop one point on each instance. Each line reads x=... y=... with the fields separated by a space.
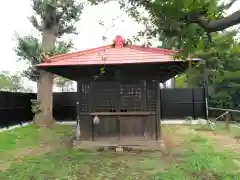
x=125 y=108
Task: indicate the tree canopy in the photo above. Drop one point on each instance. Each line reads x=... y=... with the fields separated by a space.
x=181 y=23
x=220 y=71
x=62 y=15
x=52 y=19
x=12 y=83
x=184 y=23
x=29 y=49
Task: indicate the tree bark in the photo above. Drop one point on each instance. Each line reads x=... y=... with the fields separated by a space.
x=45 y=85
x=199 y=18
x=220 y=24
x=44 y=95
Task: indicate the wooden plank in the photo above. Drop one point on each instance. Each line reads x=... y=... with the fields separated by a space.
x=144 y=105
x=158 y=109
x=119 y=113
x=90 y=106
x=144 y=96
x=220 y=109
x=118 y=105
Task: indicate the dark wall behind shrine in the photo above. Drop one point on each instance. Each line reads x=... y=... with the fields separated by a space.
x=15 y=108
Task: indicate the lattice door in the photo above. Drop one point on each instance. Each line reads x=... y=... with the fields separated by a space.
x=130 y=97
x=104 y=96
x=151 y=93
x=84 y=97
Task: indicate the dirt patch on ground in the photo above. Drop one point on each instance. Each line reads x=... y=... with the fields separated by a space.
x=43 y=147
x=34 y=151
x=174 y=137
x=237 y=138
x=176 y=134
x=19 y=154
x=207 y=175
x=4 y=165
x=223 y=141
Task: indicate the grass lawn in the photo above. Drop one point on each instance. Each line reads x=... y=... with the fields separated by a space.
x=234 y=131
x=31 y=153
x=221 y=128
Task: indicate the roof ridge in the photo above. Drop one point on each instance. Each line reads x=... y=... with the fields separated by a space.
x=153 y=49
x=77 y=53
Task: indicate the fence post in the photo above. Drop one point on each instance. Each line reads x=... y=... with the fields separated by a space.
x=193 y=104
x=206 y=102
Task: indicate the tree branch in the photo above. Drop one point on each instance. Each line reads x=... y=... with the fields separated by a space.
x=220 y=24
x=35 y=23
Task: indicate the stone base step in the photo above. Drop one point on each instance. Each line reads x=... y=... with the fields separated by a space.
x=98 y=146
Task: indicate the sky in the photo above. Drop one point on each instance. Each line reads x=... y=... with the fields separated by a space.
x=90 y=32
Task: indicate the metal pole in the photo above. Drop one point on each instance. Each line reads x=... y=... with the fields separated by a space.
x=206 y=106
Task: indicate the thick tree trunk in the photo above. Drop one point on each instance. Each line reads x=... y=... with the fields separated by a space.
x=45 y=85
x=44 y=95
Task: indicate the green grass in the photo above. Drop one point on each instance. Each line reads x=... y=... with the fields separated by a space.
x=22 y=137
x=234 y=131
x=29 y=136
x=72 y=164
x=200 y=161
x=221 y=128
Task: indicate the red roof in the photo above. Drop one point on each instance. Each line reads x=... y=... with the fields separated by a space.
x=117 y=53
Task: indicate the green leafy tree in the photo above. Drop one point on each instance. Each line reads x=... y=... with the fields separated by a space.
x=29 y=49
x=220 y=72
x=181 y=81
x=192 y=27
x=184 y=23
x=53 y=19
x=10 y=82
